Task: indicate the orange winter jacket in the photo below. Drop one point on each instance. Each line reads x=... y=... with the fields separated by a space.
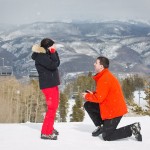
x=109 y=95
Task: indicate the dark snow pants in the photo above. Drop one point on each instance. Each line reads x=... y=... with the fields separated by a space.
x=110 y=133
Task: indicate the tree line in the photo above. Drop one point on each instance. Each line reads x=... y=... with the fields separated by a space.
x=23 y=102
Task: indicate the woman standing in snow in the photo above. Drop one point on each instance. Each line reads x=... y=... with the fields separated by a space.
x=46 y=62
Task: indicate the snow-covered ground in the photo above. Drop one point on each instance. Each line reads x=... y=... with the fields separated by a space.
x=73 y=136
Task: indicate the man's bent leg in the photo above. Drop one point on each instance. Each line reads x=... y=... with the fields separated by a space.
x=110 y=133
x=94 y=112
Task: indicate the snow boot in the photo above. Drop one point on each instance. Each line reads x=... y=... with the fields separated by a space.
x=49 y=137
x=55 y=132
x=136 y=128
x=98 y=131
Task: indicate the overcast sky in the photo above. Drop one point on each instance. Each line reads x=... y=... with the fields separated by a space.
x=28 y=11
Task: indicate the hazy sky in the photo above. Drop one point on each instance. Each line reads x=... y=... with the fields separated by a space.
x=28 y=11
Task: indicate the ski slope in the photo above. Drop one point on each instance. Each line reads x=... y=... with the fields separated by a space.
x=73 y=136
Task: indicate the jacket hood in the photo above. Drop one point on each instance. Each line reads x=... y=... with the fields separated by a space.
x=38 y=49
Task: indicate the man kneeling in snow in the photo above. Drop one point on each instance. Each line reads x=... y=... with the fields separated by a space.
x=106 y=105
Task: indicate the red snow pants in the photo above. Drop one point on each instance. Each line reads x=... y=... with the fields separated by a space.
x=52 y=100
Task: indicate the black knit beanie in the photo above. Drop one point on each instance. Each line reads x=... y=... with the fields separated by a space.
x=46 y=43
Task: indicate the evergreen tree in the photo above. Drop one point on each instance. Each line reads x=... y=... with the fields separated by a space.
x=128 y=88
x=138 y=82
x=82 y=83
x=68 y=90
x=129 y=85
x=77 y=110
x=63 y=106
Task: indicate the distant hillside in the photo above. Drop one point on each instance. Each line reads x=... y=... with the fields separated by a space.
x=126 y=44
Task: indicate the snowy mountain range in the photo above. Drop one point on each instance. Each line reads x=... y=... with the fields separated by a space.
x=126 y=44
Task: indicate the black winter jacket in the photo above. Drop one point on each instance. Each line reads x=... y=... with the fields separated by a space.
x=47 y=67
